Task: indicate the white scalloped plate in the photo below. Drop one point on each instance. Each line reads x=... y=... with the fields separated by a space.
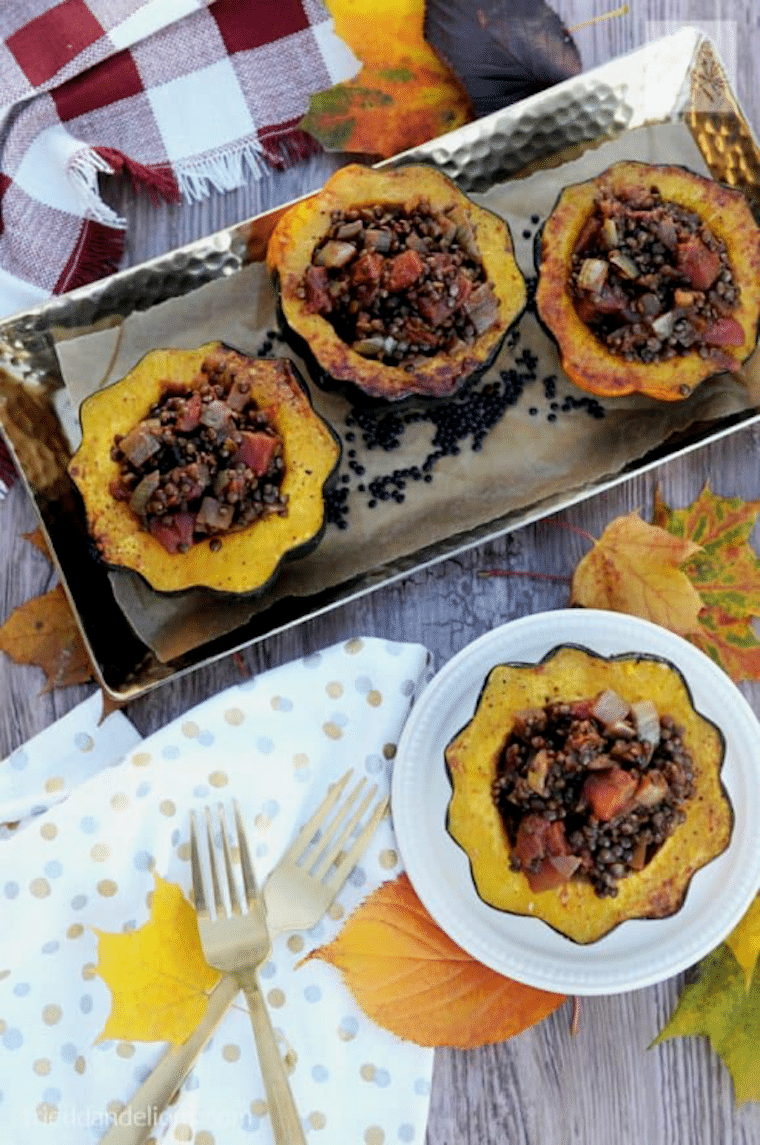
x=638 y=952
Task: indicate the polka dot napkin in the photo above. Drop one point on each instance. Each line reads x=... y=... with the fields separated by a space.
x=88 y=862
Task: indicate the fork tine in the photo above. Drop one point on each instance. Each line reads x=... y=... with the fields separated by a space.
x=250 y=885
x=218 y=900
x=234 y=897
x=199 y=898
x=306 y=834
x=329 y=854
x=358 y=845
x=328 y=832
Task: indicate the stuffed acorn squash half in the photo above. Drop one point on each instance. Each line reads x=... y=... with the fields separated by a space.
x=393 y=283
x=649 y=280
x=587 y=790
x=204 y=468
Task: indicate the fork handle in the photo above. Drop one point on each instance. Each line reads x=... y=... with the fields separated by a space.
x=144 y=1112
x=286 y=1124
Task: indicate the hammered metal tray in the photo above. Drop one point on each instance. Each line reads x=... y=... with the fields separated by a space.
x=678 y=80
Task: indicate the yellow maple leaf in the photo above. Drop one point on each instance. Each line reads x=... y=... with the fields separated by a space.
x=159 y=980
x=634 y=568
x=412 y=979
x=744 y=941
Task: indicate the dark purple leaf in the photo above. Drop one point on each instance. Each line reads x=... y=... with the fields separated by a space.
x=502 y=50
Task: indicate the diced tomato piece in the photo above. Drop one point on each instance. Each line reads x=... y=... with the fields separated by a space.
x=436 y=310
x=724 y=332
x=530 y=843
x=368 y=268
x=174 y=531
x=546 y=878
x=608 y=792
x=697 y=262
x=403 y=270
x=256 y=450
x=191 y=415
x=318 y=299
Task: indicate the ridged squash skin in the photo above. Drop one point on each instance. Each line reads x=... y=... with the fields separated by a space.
x=332 y=362
x=585 y=359
x=248 y=561
x=570 y=673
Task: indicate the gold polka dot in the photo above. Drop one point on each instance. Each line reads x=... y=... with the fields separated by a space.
x=374 y=1136
x=3 y=1025
x=89 y=970
x=125 y=1049
x=47 y=1112
x=51 y=1014
x=218 y=779
x=276 y=998
x=389 y=750
x=55 y=783
x=107 y=888
x=259 y=1108
x=317 y=1120
x=332 y=730
x=40 y=888
x=141 y=758
x=368 y=1071
x=48 y=830
x=230 y=1053
x=235 y=717
x=300 y=759
x=295 y=943
x=204 y=1138
x=100 y=852
x=75 y=930
x=190 y=729
x=388 y=858
x=4 y=974
x=354 y=646
x=278 y=704
x=334 y=689
x=183 y=1132
x=262 y=822
x=42 y=1066
x=80 y=1065
x=336 y=911
x=374 y=698
x=120 y=801
x=167 y=807
x=114 y=1107
x=183 y=851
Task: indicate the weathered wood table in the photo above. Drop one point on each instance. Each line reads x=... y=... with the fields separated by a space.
x=545 y=1086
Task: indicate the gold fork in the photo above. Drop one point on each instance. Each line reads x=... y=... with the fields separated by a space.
x=236 y=941
x=297 y=901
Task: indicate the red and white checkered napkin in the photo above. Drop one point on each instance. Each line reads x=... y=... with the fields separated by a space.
x=185 y=95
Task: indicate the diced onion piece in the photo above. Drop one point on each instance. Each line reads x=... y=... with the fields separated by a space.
x=647 y=721
x=369 y=347
x=567 y=865
x=663 y=324
x=610 y=233
x=592 y=274
x=335 y=254
x=624 y=264
x=610 y=708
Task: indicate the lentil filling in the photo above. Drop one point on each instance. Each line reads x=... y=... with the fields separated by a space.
x=204 y=462
x=396 y=284
x=590 y=790
x=652 y=281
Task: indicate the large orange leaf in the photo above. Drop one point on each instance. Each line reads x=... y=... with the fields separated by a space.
x=43 y=631
x=404 y=93
x=634 y=567
x=409 y=977
x=726 y=573
x=159 y=980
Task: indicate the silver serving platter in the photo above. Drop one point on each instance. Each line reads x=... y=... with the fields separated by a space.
x=677 y=79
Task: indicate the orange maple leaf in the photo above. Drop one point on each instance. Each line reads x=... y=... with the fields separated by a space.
x=409 y=977
x=159 y=980
x=635 y=568
x=43 y=631
x=404 y=93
